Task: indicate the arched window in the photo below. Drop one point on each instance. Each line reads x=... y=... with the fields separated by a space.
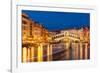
x=31 y=29
x=24 y=22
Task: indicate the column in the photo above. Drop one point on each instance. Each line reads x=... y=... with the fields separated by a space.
x=36 y=53
x=40 y=53
x=51 y=56
x=73 y=51
x=28 y=54
x=67 y=51
x=32 y=54
x=77 y=51
x=81 y=51
x=48 y=53
x=86 y=50
x=24 y=54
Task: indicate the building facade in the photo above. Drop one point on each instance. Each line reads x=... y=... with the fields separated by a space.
x=34 y=38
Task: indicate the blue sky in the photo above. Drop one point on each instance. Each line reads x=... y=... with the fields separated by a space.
x=59 y=20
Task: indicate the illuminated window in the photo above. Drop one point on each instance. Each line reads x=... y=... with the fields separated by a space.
x=30 y=29
x=24 y=28
x=24 y=22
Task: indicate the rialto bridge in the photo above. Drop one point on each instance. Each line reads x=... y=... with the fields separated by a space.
x=76 y=48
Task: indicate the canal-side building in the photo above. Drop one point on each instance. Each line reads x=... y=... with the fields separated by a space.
x=34 y=38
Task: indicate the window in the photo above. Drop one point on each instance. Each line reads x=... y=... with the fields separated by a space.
x=24 y=27
x=31 y=29
x=24 y=22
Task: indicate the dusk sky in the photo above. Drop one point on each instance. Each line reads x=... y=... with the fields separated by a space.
x=59 y=20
